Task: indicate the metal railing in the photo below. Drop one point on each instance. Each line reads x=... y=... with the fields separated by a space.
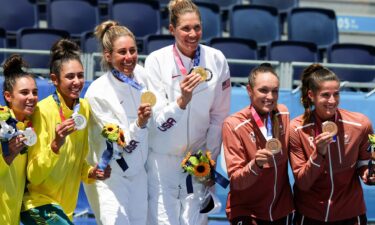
x=284 y=69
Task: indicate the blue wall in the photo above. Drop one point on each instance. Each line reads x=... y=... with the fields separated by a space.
x=239 y=99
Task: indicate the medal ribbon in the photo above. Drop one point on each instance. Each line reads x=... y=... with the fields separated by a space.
x=57 y=100
x=122 y=77
x=178 y=59
x=267 y=132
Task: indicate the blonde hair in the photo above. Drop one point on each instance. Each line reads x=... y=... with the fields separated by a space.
x=106 y=33
x=180 y=7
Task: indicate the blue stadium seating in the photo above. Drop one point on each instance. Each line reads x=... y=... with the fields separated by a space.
x=155 y=42
x=315 y=25
x=74 y=16
x=350 y=53
x=293 y=51
x=256 y=22
x=283 y=6
x=142 y=17
x=17 y=14
x=38 y=39
x=2 y=44
x=211 y=20
x=237 y=48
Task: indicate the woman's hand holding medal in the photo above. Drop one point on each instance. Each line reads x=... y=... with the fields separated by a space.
x=324 y=139
x=144 y=113
x=62 y=130
x=262 y=156
x=187 y=85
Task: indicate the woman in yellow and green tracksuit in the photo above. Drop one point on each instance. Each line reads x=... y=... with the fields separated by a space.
x=21 y=96
x=57 y=163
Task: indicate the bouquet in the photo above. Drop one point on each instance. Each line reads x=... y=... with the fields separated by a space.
x=115 y=141
x=371 y=138
x=199 y=165
x=371 y=149
x=114 y=133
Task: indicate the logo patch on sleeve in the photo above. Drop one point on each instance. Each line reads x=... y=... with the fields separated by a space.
x=225 y=84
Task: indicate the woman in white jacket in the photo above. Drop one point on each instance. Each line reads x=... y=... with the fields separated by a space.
x=115 y=98
x=198 y=124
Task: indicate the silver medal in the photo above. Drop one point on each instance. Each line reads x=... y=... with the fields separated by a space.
x=80 y=121
x=30 y=136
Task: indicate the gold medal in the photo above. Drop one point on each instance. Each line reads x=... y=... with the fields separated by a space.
x=205 y=74
x=330 y=127
x=148 y=97
x=201 y=71
x=274 y=145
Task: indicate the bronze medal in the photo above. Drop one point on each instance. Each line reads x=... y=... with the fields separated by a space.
x=274 y=145
x=148 y=97
x=329 y=127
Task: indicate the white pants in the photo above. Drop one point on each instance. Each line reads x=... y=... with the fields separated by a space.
x=119 y=200
x=169 y=202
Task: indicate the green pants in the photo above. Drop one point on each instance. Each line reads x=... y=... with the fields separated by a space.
x=45 y=215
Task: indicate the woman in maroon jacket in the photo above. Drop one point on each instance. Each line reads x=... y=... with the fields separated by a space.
x=328 y=154
x=260 y=192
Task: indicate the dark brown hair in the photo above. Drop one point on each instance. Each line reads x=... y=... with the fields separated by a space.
x=62 y=51
x=13 y=70
x=312 y=77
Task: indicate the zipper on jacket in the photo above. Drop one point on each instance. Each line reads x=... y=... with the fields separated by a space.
x=332 y=184
x=339 y=148
x=274 y=188
x=188 y=127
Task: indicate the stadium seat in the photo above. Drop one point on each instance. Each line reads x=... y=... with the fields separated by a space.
x=211 y=20
x=223 y=4
x=38 y=39
x=17 y=14
x=2 y=44
x=315 y=25
x=293 y=51
x=348 y=53
x=256 y=22
x=155 y=42
x=74 y=16
x=89 y=43
x=142 y=17
x=237 y=48
x=283 y=6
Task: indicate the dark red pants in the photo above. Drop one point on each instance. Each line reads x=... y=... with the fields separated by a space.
x=247 y=220
x=303 y=220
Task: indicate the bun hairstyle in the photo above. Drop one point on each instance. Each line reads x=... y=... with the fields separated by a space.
x=62 y=51
x=312 y=77
x=262 y=68
x=107 y=33
x=13 y=69
x=180 y=7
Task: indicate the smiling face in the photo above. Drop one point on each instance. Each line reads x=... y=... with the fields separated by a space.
x=326 y=99
x=23 y=98
x=265 y=93
x=70 y=81
x=187 y=33
x=124 y=56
